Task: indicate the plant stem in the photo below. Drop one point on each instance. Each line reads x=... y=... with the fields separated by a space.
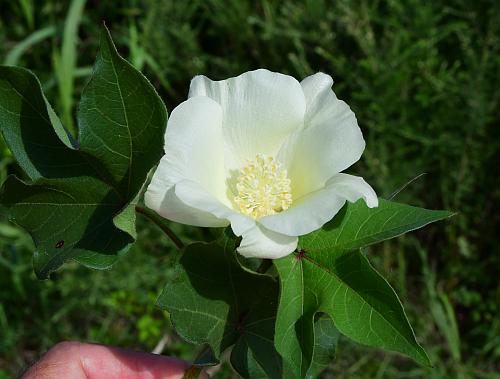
x=161 y=223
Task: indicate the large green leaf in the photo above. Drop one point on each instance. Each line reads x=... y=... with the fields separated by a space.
x=329 y=274
x=77 y=198
x=215 y=300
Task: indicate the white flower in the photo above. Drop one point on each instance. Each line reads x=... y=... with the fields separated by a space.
x=263 y=153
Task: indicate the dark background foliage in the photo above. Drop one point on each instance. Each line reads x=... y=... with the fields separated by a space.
x=422 y=78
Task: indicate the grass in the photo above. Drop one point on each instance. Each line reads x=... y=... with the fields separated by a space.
x=65 y=62
x=422 y=78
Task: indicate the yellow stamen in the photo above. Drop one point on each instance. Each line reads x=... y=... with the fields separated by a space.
x=263 y=188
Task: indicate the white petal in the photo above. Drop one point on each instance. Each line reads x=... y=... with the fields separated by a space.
x=260 y=242
x=319 y=207
x=260 y=109
x=173 y=208
x=257 y=240
x=194 y=151
x=310 y=213
x=194 y=144
x=196 y=197
x=353 y=188
x=314 y=86
x=330 y=142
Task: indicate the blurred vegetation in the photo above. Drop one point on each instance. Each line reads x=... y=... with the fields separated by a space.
x=423 y=80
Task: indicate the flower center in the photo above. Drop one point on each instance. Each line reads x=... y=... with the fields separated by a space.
x=263 y=188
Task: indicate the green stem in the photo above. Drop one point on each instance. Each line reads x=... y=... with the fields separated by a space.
x=160 y=222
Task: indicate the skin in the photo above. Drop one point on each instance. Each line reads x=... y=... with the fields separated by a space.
x=75 y=360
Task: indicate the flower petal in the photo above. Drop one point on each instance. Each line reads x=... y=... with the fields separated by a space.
x=260 y=109
x=260 y=242
x=310 y=213
x=353 y=188
x=330 y=141
x=174 y=209
x=193 y=195
x=317 y=89
x=193 y=150
x=257 y=241
x=316 y=209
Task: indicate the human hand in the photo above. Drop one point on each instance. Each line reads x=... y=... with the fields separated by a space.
x=75 y=360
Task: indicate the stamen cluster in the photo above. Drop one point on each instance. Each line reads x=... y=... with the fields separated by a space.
x=263 y=188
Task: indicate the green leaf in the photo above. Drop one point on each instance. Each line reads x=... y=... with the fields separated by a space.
x=215 y=300
x=357 y=226
x=121 y=120
x=329 y=274
x=326 y=338
x=78 y=197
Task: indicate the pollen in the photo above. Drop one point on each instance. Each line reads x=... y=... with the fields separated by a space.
x=263 y=188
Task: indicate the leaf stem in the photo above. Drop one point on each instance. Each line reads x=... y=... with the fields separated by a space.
x=161 y=223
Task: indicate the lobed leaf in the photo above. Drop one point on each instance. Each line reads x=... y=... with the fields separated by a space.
x=78 y=196
x=329 y=274
x=215 y=301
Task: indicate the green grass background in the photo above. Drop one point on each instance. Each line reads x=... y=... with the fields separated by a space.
x=423 y=79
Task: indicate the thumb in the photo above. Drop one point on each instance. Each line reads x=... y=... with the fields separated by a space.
x=74 y=360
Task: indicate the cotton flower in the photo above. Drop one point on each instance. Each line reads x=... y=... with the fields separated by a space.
x=263 y=153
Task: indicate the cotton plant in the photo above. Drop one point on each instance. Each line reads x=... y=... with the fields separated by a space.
x=261 y=157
